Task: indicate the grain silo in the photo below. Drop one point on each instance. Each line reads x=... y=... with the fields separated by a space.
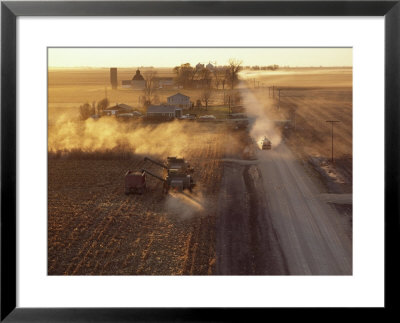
x=113 y=77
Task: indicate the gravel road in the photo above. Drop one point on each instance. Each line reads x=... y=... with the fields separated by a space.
x=311 y=233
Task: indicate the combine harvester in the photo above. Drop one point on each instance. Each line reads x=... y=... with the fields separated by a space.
x=176 y=176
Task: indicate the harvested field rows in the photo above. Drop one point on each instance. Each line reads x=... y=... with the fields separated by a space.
x=95 y=229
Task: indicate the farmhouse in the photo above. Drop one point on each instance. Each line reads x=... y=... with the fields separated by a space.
x=138 y=82
x=180 y=100
x=117 y=109
x=164 y=111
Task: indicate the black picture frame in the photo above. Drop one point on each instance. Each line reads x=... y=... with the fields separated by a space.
x=10 y=10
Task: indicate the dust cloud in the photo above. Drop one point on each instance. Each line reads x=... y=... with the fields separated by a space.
x=107 y=134
x=260 y=124
x=185 y=205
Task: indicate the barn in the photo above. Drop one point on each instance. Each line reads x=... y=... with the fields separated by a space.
x=138 y=82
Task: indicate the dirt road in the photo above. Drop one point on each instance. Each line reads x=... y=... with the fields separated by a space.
x=311 y=233
x=246 y=242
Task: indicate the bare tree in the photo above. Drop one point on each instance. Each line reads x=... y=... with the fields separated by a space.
x=205 y=77
x=85 y=111
x=218 y=78
x=205 y=95
x=102 y=104
x=233 y=71
x=150 y=87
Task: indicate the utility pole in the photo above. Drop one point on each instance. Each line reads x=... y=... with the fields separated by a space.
x=332 y=122
x=294 y=120
x=279 y=98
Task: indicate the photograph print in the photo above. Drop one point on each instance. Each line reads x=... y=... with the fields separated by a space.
x=200 y=161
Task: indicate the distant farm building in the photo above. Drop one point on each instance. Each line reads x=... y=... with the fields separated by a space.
x=210 y=66
x=163 y=112
x=179 y=100
x=164 y=82
x=117 y=109
x=138 y=82
x=127 y=83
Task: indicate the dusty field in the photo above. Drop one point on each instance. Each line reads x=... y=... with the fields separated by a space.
x=220 y=228
x=95 y=229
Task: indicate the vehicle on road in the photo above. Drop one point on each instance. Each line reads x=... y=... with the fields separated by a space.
x=266 y=144
x=188 y=117
x=207 y=117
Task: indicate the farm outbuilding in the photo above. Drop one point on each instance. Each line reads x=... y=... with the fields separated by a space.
x=138 y=81
x=164 y=82
x=164 y=111
x=179 y=100
x=127 y=83
x=117 y=109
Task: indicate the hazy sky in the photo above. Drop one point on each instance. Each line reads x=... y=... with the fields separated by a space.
x=165 y=57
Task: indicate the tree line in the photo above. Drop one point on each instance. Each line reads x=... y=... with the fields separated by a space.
x=217 y=77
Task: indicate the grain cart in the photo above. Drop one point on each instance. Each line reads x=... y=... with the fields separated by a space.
x=135 y=182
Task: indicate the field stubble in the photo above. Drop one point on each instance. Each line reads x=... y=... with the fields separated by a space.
x=94 y=229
